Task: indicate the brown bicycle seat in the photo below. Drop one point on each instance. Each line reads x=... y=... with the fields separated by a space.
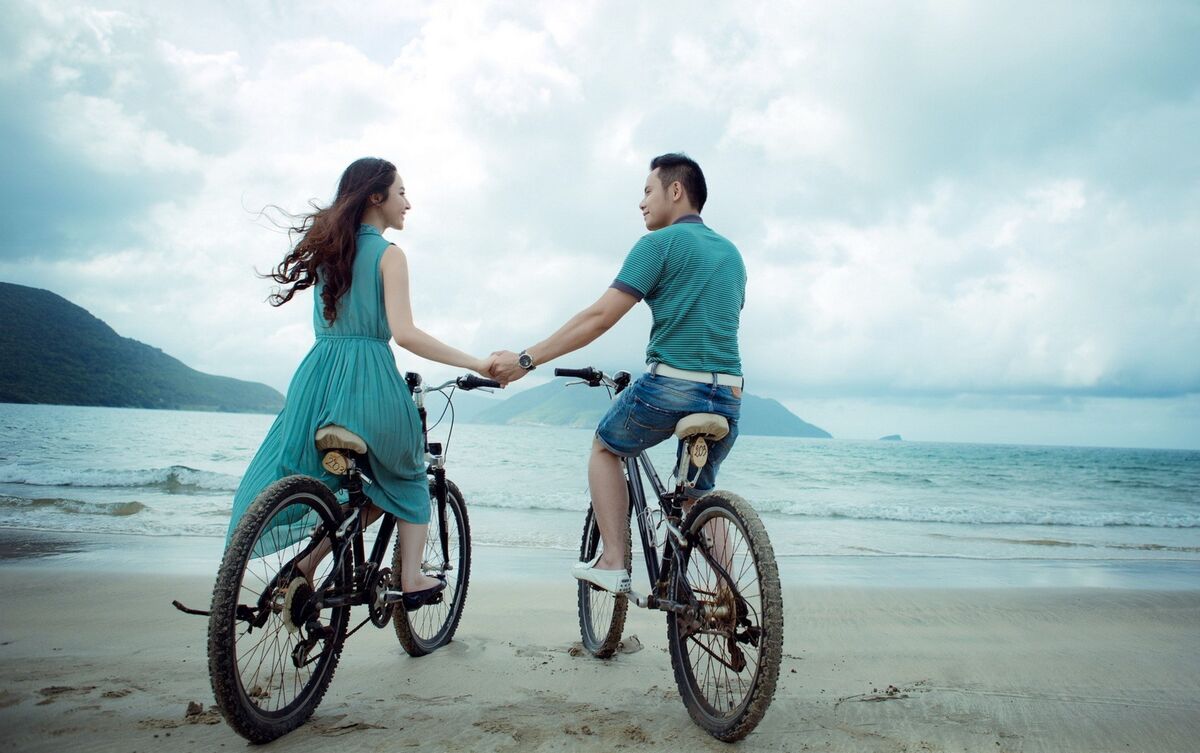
x=709 y=424
x=334 y=437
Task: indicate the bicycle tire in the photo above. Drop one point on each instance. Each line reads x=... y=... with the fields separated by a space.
x=724 y=700
x=261 y=692
x=601 y=613
x=431 y=627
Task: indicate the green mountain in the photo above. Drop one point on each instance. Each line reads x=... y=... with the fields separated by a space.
x=561 y=404
x=52 y=351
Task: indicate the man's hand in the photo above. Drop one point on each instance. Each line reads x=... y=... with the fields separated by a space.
x=505 y=368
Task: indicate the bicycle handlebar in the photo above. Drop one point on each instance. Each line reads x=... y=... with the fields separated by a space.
x=464 y=382
x=588 y=374
x=472 y=382
x=595 y=377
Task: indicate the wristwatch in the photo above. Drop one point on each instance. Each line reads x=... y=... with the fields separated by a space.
x=525 y=361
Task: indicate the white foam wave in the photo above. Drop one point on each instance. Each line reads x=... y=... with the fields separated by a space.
x=983 y=515
x=175 y=478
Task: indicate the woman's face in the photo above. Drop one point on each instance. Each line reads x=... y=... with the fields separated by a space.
x=395 y=204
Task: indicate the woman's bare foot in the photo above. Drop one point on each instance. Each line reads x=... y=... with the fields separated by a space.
x=418 y=583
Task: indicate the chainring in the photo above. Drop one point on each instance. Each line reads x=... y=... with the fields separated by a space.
x=378 y=610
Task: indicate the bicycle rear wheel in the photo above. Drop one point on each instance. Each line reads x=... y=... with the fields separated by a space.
x=726 y=649
x=433 y=626
x=601 y=613
x=272 y=648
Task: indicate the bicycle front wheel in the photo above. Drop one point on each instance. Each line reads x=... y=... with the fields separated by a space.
x=726 y=646
x=601 y=613
x=272 y=645
x=433 y=626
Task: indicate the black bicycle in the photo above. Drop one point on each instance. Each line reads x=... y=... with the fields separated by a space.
x=274 y=636
x=713 y=573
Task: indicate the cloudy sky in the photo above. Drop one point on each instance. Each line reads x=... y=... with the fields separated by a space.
x=961 y=221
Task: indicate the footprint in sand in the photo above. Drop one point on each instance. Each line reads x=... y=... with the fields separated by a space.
x=54 y=692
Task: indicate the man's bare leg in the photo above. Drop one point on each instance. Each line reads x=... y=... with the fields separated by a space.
x=610 y=505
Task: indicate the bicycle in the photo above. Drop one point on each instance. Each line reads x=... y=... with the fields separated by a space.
x=714 y=574
x=274 y=638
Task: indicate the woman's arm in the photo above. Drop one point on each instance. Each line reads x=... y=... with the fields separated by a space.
x=394 y=268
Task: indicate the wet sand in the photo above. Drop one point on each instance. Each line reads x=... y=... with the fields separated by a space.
x=93 y=657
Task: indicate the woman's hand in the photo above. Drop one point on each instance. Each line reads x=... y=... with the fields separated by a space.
x=483 y=366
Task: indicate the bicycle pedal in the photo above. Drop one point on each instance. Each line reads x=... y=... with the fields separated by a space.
x=638 y=599
x=391 y=597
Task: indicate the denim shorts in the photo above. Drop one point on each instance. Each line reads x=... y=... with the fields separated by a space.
x=646 y=413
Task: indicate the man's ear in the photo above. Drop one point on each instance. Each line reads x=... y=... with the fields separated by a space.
x=676 y=191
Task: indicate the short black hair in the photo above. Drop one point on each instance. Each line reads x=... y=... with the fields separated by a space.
x=680 y=167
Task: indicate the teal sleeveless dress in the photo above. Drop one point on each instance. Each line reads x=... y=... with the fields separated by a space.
x=349 y=378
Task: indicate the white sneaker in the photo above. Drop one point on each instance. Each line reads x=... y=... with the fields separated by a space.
x=616 y=581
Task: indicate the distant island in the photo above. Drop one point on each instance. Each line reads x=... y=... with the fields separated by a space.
x=558 y=404
x=52 y=351
x=890 y=438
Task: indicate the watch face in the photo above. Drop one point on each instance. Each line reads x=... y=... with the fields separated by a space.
x=525 y=361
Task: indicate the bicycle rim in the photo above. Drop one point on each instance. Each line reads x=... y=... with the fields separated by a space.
x=601 y=613
x=726 y=653
x=433 y=626
x=269 y=679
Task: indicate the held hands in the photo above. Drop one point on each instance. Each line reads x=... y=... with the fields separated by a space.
x=504 y=367
x=484 y=367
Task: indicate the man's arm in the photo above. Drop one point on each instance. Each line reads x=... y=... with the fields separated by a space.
x=579 y=330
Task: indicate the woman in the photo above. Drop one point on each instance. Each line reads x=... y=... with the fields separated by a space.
x=349 y=377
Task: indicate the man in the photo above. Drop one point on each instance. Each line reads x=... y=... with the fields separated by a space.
x=695 y=284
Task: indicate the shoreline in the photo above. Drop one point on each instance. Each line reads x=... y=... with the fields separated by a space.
x=200 y=556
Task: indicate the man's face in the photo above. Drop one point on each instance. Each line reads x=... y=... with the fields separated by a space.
x=656 y=203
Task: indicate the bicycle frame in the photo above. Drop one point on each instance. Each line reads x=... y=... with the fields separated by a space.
x=350 y=533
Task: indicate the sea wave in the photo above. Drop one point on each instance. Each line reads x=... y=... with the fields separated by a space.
x=172 y=479
x=983 y=515
x=73 y=506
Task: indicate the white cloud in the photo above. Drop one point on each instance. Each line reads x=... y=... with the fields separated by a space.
x=116 y=141
x=924 y=211
x=790 y=127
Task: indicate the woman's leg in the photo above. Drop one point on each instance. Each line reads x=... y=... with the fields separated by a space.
x=308 y=565
x=412 y=546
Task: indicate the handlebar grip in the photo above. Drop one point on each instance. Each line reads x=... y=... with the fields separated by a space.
x=471 y=382
x=588 y=373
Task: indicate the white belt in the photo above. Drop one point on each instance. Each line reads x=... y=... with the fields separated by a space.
x=703 y=377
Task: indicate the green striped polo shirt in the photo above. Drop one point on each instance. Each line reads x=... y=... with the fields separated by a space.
x=695 y=284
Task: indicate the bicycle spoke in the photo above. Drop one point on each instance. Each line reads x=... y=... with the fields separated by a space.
x=260 y=689
x=433 y=625
x=718 y=645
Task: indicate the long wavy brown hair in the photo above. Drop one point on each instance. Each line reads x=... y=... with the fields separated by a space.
x=328 y=237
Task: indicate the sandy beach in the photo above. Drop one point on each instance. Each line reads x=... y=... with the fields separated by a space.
x=93 y=657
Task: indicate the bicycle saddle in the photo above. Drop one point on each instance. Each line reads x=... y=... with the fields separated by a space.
x=334 y=437
x=708 y=424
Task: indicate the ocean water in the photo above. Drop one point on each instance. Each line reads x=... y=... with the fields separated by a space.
x=1118 y=516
